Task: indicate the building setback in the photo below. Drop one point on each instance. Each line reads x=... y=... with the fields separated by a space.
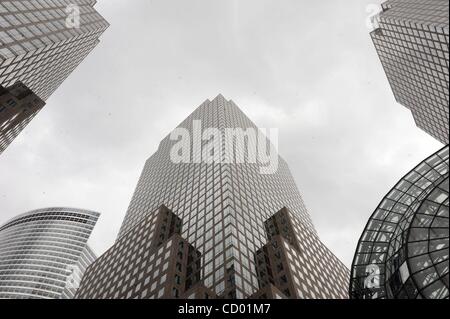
x=292 y=256
x=412 y=40
x=403 y=251
x=41 y=43
x=151 y=261
x=44 y=253
x=223 y=207
x=18 y=105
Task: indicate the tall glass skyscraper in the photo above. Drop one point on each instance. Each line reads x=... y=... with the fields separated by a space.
x=404 y=249
x=225 y=208
x=42 y=42
x=412 y=40
x=44 y=253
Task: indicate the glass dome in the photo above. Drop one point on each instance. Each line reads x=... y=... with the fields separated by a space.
x=403 y=251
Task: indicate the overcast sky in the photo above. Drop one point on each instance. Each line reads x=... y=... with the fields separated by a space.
x=306 y=67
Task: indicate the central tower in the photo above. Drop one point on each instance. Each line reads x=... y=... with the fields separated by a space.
x=224 y=206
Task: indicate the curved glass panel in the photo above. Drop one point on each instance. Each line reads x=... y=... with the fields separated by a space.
x=42 y=251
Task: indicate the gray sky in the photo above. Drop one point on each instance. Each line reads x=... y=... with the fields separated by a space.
x=306 y=67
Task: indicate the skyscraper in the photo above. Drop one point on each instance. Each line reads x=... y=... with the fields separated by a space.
x=412 y=40
x=223 y=206
x=403 y=251
x=42 y=42
x=44 y=253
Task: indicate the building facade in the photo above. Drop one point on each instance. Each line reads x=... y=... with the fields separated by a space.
x=296 y=263
x=43 y=41
x=18 y=104
x=44 y=253
x=223 y=205
x=73 y=281
x=412 y=41
x=403 y=251
x=150 y=261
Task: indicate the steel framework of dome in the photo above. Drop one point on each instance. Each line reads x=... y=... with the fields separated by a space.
x=404 y=249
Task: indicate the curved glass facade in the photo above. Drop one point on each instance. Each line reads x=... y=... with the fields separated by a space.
x=404 y=249
x=43 y=253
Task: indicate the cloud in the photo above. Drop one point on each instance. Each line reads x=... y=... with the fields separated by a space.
x=307 y=68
